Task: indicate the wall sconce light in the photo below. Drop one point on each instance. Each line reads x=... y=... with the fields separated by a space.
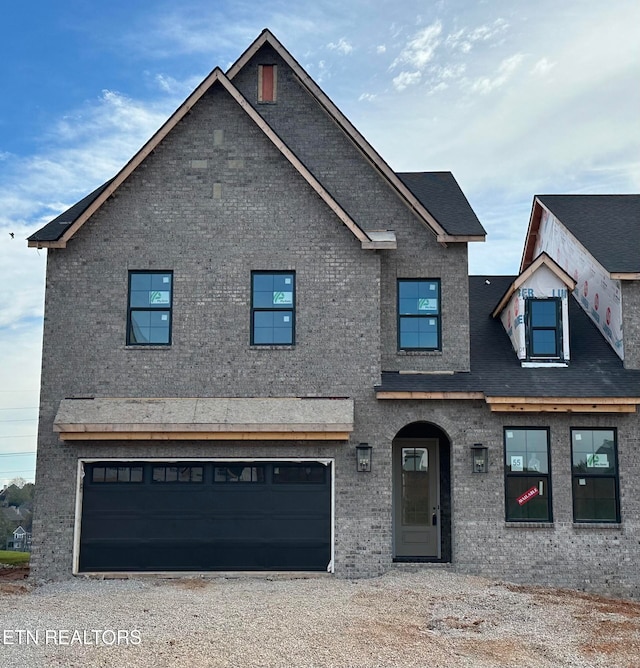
x=479 y=458
x=363 y=457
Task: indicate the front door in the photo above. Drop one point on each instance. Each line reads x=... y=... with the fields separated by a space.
x=416 y=497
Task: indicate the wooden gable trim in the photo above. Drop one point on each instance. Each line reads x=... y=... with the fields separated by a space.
x=216 y=76
x=524 y=404
x=266 y=37
x=563 y=404
x=135 y=161
x=542 y=259
x=532 y=234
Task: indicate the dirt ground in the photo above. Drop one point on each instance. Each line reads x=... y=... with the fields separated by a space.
x=401 y=620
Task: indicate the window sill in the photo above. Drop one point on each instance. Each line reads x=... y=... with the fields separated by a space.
x=273 y=347
x=541 y=364
x=597 y=525
x=529 y=525
x=420 y=353
x=143 y=347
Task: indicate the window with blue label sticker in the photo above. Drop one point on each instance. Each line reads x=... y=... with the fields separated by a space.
x=418 y=314
x=272 y=308
x=149 y=308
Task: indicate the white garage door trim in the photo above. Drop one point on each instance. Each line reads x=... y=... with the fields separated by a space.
x=327 y=461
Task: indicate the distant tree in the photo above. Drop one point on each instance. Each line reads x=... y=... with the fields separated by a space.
x=19 y=496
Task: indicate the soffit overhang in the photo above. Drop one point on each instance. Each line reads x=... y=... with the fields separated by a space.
x=220 y=418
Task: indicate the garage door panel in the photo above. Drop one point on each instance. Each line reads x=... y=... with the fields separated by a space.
x=234 y=516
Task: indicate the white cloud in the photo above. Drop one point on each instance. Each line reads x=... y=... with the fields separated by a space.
x=342 y=46
x=421 y=48
x=542 y=67
x=367 y=97
x=464 y=40
x=505 y=71
x=406 y=79
x=381 y=49
x=84 y=149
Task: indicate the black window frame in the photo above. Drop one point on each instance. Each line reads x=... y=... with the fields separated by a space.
x=180 y=469
x=530 y=329
x=137 y=309
x=615 y=476
x=258 y=469
x=527 y=474
x=437 y=316
x=120 y=480
x=273 y=309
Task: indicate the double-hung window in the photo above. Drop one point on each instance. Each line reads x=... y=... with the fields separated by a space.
x=149 y=312
x=527 y=479
x=544 y=328
x=418 y=314
x=595 y=475
x=273 y=302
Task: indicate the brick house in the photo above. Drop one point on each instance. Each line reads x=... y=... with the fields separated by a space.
x=263 y=351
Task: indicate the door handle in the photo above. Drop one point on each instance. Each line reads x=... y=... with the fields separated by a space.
x=434 y=519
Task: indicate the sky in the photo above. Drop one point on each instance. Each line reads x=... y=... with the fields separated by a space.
x=515 y=98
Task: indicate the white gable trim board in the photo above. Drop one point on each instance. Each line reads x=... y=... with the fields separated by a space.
x=84 y=462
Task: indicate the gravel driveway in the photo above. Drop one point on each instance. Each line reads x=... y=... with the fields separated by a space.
x=408 y=619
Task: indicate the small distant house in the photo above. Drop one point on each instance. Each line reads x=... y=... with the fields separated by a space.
x=20 y=541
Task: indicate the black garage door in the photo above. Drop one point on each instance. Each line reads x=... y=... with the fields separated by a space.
x=206 y=516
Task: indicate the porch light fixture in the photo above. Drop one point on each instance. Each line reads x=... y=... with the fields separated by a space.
x=363 y=457
x=479 y=458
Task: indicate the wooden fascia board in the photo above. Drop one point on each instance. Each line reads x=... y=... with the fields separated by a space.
x=460 y=238
x=565 y=400
x=465 y=396
x=562 y=408
x=204 y=436
x=542 y=259
x=175 y=118
x=563 y=404
x=532 y=232
x=625 y=275
x=343 y=122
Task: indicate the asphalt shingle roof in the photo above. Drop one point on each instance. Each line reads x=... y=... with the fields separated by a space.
x=594 y=370
x=441 y=195
x=53 y=230
x=608 y=226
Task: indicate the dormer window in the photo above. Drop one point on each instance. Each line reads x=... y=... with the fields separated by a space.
x=544 y=328
x=267 y=83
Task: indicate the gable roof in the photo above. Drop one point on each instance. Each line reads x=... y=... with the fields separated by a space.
x=542 y=260
x=594 y=379
x=460 y=223
x=458 y=233
x=441 y=195
x=70 y=221
x=608 y=226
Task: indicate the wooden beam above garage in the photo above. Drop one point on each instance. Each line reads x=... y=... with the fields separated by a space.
x=205 y=436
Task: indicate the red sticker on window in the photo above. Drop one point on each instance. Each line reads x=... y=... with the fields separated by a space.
x=528 y=495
